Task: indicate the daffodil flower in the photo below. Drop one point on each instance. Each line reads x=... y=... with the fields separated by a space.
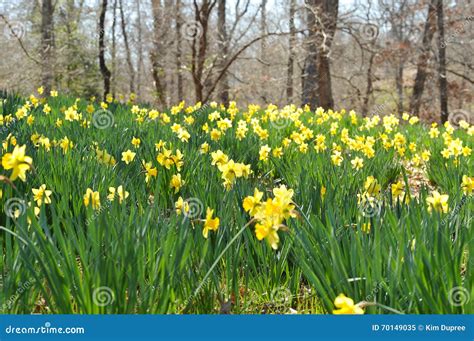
x=42 y=195
x=438 y=202
x=345 y=305
x=18 y=161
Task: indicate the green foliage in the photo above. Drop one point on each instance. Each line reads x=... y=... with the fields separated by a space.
x=141 y=257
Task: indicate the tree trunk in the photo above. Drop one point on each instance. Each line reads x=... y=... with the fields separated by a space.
x=263 y=47
x=47 y=45
x=443 y=83
x=223 y=51
x=422 y=64
x=103 y=67
x=421 y=74
x=291 y=53
x=321 y=23
x=309 y=77
x=179 y=80
x=140 y=49
x=155 y=55
x=127 y=49
x=199 y=46
x=399 y=83
x=369 y=89
x=327 y=25
x=114 y=50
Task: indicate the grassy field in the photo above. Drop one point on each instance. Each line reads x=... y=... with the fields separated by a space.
x=213 y=209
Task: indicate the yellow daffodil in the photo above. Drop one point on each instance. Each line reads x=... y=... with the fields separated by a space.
x=366 y=227
x=336 y=158
x=150 y=171
x=269 y=231
x=92 y=198
x=161 y=144
x=210 y=224
x=18 y=162
x=176 y=182
x=128 y=156
x=467 y=185
x=136 y=142
x=270 y=214
x=397 y=189
x=204 y=149
x=42 y=195
x=232 y=170
x=345 y=305
x=181 y=206
x=323 y=192
x=120 y=192
x=178 y=159
x=251 y=203
x=277 y=152
x=65 y=144
x=219 y=158
x=165 y=158
x=263 y=153
x=438 y=202
x=357 y=163
x=215 y=134
x=372 y=187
